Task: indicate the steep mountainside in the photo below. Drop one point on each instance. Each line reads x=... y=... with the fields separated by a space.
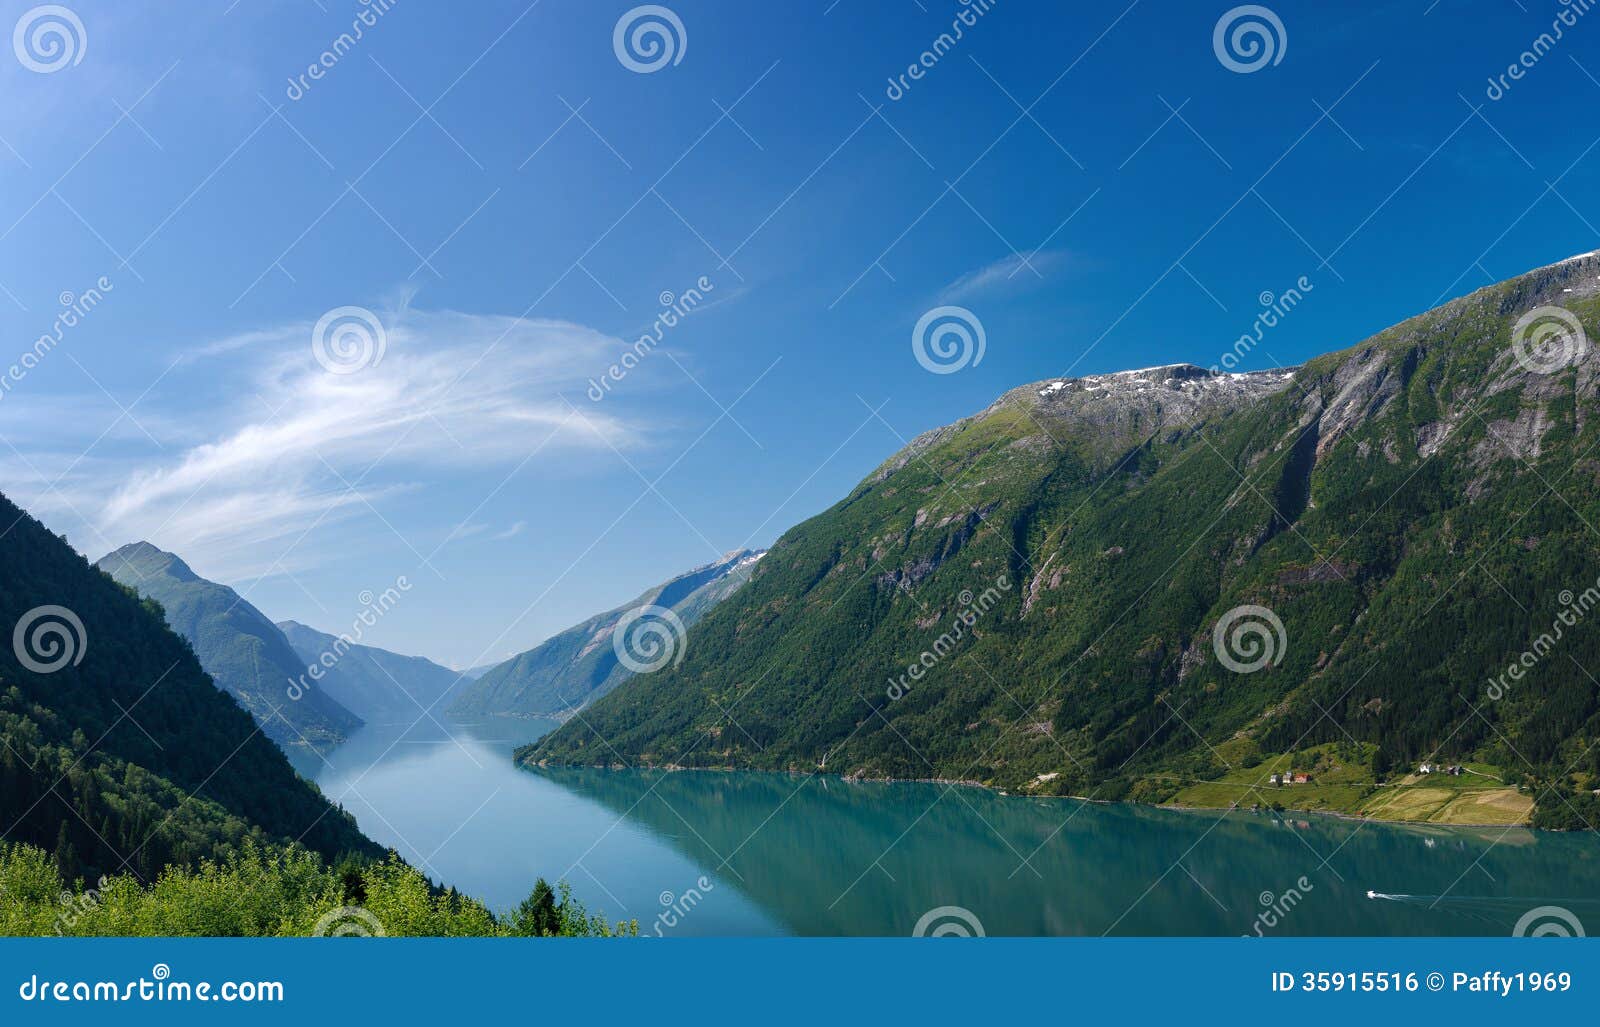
x=372 y=683
x=1042 y=596
x=579 y=665
x=119 y=753
x=238 y=646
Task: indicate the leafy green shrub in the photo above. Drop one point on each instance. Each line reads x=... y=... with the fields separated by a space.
x=257 y=893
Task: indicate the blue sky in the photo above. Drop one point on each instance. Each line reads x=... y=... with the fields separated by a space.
x=510 y=202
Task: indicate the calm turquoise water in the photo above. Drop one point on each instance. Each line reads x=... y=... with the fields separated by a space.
x=783 y=855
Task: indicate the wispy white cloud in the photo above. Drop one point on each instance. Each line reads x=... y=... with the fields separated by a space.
x=462 y=531
x=511 y=532
x=290 y=450
x=475 y=529
x=1007 y=273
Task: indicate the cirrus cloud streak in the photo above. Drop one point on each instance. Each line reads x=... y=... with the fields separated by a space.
x=289 y=451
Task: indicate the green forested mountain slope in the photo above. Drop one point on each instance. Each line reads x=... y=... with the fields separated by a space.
x=125 y=757
x=1417 y=511
x=244 y=652
x=580 y=664
x=372 y=683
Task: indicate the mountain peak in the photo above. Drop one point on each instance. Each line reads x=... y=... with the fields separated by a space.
x=1577 y=257
x=144 y=559
x=581 y=664
x=245 y=653
x=1189 y=378
x=734 y=556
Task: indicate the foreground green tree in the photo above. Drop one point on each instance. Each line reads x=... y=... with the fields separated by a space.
x=262 y=893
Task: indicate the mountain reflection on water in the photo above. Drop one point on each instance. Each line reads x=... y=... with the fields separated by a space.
x=821 y=856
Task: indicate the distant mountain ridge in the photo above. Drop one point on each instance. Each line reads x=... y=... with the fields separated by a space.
x=579 y=665
x=374 y=683
x=245 y=653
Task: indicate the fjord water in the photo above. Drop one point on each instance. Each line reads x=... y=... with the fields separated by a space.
x=788 y=855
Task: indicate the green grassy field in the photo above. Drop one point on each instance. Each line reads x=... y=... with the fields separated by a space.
x=1342 y=782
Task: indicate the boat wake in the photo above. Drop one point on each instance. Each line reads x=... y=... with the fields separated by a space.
x=1495 y=909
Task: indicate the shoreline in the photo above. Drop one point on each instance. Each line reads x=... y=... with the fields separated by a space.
x=1337 y=815
x=1002 y=793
